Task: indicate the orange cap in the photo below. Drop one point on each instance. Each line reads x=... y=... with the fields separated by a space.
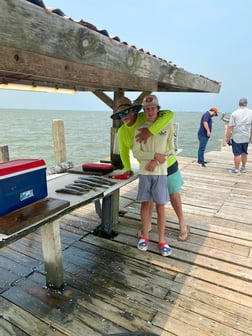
x=214 y=109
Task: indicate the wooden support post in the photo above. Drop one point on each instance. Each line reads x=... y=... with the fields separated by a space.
x=114 y=151
x=51 y=246
x=115 y=209
x=224 y=135
x=59 y=141
x=114 y=148
x=219 y=144
x=4 y=153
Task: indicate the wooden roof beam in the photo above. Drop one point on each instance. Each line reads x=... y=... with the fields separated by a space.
x=55 y=50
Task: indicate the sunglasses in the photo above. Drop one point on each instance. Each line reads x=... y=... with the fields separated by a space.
x=125 y=112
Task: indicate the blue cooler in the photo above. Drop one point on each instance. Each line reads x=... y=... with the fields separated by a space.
x=22 y=182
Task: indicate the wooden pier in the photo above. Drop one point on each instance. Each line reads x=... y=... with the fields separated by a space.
x=204 y=288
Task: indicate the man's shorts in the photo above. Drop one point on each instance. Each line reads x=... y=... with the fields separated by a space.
x=153 y=188
x=239 y=148
x=174 y=182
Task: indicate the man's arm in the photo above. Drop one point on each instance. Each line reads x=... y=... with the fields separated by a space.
x=230 y=128
x=139 y=154
x=164 y=118
x=124 y=150
x=154 y=158
x=205 y=124
x=160 y=157
x=229 y=133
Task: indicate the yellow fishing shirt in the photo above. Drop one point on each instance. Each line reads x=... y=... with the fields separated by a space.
x=126 y=135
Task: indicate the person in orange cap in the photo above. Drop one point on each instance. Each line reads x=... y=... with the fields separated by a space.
x=204 y=133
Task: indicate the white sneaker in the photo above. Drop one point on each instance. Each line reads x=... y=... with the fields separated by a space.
x=243 y=170
x=143 y=244
x=235 y=171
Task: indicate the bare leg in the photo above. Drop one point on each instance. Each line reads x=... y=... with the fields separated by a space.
x=161 y=222
x=146 y=216
x=237 y=161
x=150 y=210
x=176 y=203
x=244 y=159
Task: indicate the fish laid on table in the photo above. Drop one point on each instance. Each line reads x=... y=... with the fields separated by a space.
x=75 y=187
x=105 y=180
x=69 y=191
x=97 y=184
x=83 y=185
x=100 y=179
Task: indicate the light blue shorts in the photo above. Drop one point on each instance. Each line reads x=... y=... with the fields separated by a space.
x=153 y=188
x=174 y=182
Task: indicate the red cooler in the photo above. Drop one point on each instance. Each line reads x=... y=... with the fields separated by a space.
x=22 y=182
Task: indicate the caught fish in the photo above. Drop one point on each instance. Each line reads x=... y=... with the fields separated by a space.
x=103 y=179
x=75 y=187
x=69 y=191
x=92 y=183
x=100 y=179
x=84 y=185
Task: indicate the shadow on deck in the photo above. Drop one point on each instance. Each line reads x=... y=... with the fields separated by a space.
x=112 y=288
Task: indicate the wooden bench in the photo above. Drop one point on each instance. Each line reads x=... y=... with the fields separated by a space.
x=44 y=213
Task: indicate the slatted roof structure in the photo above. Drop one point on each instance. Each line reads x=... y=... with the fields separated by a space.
x=42 y=47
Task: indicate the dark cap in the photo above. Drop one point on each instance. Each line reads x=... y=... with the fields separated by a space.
x=243 y=102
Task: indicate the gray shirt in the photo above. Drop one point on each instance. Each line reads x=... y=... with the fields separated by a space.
x=241 y=119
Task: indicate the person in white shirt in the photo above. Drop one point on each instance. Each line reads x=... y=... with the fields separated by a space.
x=152 y=156
x=240 y=131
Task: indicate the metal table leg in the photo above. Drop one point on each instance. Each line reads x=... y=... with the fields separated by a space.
x=108 y=214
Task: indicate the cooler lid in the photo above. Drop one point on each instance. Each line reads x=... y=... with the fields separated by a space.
x=15 y=166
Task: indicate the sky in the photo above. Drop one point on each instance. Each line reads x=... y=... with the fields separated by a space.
x=207 y=37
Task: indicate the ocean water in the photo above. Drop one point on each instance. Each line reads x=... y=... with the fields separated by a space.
x=28 y=134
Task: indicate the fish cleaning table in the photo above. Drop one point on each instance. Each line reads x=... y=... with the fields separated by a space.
x=44 y=213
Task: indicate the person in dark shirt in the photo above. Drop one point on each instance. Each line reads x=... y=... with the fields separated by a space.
x=204 y=133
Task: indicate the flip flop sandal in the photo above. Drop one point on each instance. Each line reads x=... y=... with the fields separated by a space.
x=187 y=234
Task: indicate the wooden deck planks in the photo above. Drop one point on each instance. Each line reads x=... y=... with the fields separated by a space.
x=18 y=321
x=204 y=288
